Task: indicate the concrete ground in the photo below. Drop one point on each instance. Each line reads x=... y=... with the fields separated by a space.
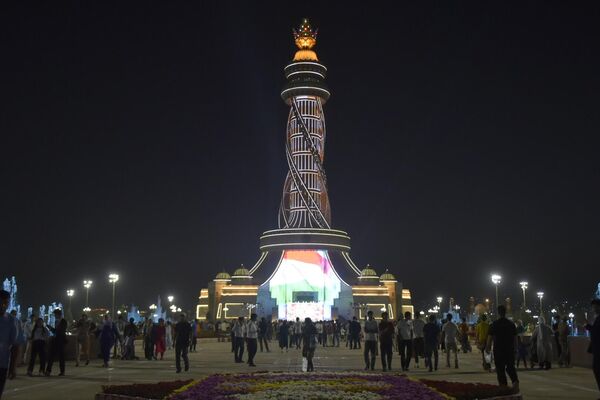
x=213 y=357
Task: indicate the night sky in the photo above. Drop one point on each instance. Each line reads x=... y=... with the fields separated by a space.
x=148 y=139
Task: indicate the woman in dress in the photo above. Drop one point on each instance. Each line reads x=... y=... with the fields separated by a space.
x=159 y=340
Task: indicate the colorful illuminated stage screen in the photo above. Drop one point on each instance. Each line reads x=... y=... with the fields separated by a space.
x=305 y=285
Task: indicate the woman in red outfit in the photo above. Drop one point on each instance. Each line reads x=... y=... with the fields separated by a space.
x=159 y=341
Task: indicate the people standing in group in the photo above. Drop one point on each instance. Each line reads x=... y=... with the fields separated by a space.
x=450 y=331
x=543 y=337
x=252 y=339
x=594 y=328
x=57 y=343
x=371 y=334
x=108 y=336
x=503 y=335
x=309 y=343
x=283 y=336
x=386 y=341
x=183 y=332
x=263 y=334
x=482 y=330
x=354 y=330
x=160 y=339
x=564 y=330
x=239 y=331
x=38 y=338
x=130 y=333
x=431 y=342
x=404 y=337
x=297 y=338
x=147 y=329
x=8 y=337
x=82 y=340
x=418 y=344
x=463 y=329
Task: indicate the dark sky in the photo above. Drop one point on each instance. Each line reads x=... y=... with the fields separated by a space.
x=148 y=139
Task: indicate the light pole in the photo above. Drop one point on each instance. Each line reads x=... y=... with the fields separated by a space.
x=113 y=278
x=540 y=295
x=496 y=279
x=439 y=301
x=70 y=293
x=171 y=298
x=87 y=285
x=524 y=285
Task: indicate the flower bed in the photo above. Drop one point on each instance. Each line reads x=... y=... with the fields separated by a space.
x=471 y=391
x=157 y=391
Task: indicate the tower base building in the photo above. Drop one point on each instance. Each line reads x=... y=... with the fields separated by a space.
x=304 y=269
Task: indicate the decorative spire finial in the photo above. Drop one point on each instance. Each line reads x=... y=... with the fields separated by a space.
x=305 y=37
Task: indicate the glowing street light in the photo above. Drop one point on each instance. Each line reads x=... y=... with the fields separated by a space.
x=524 y=285
x=439 y=301
x=70 y=293
x=496 y=279
x=152 y=307
x=540 y=295
x=87 y=285
x=170 y=298
x=113 y=278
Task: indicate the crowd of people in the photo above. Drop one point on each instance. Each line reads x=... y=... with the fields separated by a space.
x=502 y=343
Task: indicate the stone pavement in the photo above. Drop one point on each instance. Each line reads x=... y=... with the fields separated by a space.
x=83 y=382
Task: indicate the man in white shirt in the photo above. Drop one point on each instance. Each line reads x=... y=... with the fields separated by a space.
x=418 y=341
x=252 y=339
x=404 y=336
x=450 y=331
x=239 y=332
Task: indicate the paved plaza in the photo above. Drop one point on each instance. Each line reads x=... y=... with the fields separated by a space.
x=215 y=357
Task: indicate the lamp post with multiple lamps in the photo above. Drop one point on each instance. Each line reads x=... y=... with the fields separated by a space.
x=540 y=296
x=496 y=279
x=439 y=301
x=87 y=284
x=524 y=285
x=113 y=278
x=70 y=293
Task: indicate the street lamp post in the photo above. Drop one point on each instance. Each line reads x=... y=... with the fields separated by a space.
x=524 y=285
x=171 y=298
x=87 y=285
x=540 y=295
x=439 y=301
x=70 y=293
x=496 y=279
x=113 y=278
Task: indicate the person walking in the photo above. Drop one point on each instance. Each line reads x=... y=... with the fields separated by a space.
x=371 y=334
x=309 y=343
x=297 y=336
x=354 y=329
x=594 y=328
x=563 y=339
x=431 y=342
x=8 y=337
x=38 y=339
x=27 y=329
x=450 y=331
x=160 y=339
x=147 y=332
x=57 y=343
x=108 y=334
x=183 y=331
x=130 y=332
x=482 y=330
x=404 y=335
x=283 y=336
x=119 y=328
x=521 y=344
x=169 y=335
x=543 y=337
x=336 y=333
x=82 y=341
x=252 y=339
x=463 y=329
x=239 y=330
x=195 y=329
x=503 y=335
x=263 y=328
x=386 y=341
x=418 y=341
x=18 y=348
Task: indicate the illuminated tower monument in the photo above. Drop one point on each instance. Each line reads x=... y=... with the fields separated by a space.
x=295 y=274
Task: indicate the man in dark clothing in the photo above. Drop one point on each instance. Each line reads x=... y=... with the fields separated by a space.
x=354 y=334
x=503 y=333
x=8 y=337
x=386 y=341
x=57 y=343
x=183 y=331
x=263 y=327
x=130 y=332
x=595 y=340
x=431 y=338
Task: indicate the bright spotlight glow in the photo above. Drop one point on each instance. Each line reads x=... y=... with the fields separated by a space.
x=170 y=298
x=496 y=279
x=112 y=278
x=70 y=292
x=524 y=284
x=439 y=299
x=571 y=315
x=87 y=284
x=540 y=294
